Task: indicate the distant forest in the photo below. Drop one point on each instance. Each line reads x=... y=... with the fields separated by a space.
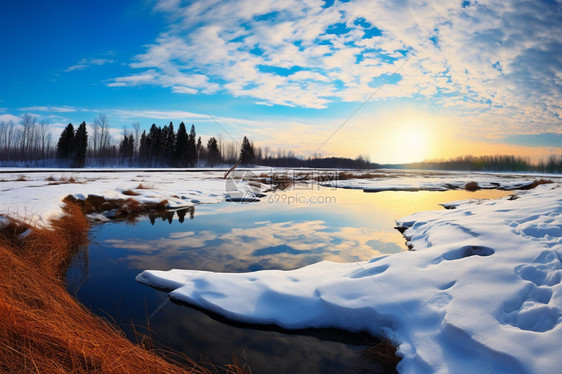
x=550 y=164
x=29 y=143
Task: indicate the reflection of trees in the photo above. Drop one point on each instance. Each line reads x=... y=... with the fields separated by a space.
x=168 y=215
x=183 y=212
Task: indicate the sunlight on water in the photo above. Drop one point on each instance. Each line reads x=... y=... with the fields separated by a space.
x=285 y=230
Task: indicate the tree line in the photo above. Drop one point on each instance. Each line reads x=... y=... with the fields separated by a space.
x=26 y=141
x=550 y=164
x=29 y=143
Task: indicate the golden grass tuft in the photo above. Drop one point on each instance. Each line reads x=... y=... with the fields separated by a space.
x=471 y=186
x=536 y=183
x=144 y=187
x=42 y=328
x=380 y=357
x=130 y=193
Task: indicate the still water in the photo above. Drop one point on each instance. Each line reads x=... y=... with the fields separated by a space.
x=285 y=230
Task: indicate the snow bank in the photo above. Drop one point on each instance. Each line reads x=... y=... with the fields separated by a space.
x=480 y=292
x=411 y=180
x=36 y=195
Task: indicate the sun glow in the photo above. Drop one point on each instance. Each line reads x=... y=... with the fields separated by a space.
x=407 y=141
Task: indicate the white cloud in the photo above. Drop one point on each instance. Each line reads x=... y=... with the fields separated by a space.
x=49 y=108
x=9 y=117
x=497 y=60
x=87 y=62
x=158 y=114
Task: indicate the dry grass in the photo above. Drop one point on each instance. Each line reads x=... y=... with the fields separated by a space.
x=471 y=186
x=144 y=187
x=61 y=180
x=380 y=357
x=536 y=183
x=345 y=176
x=130 y=193
x=42 y=328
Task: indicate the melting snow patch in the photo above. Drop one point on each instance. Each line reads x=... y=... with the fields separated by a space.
x=481 y=293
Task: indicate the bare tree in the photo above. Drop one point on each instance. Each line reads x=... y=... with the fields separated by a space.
x=136 y=127
x=45 y=137
x=101 y=134
x=27 y=135
x=103 y=125
x=95 y=138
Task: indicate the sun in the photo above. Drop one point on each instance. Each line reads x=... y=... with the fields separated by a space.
x=405 y=142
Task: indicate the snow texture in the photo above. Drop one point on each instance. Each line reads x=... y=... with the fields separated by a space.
x=480 y=292
x=36 y=195
x=416 y=180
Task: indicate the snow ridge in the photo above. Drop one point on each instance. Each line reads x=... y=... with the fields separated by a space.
x=480 y=292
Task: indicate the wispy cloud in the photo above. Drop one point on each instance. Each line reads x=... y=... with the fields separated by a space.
x=49 y=108
x=498 y=60
x=9 y=117
x=88 y=62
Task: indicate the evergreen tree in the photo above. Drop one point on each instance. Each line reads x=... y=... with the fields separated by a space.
x=181 y=146
x=155 y=145
x=127 y=148
x=65 y=144
x=80 y=146
x=247 y=156
x=213 y=152
x=168 y=144
x=192 y=147
x=143 y=149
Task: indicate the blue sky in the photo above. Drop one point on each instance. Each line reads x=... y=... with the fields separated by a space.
x=431 y=79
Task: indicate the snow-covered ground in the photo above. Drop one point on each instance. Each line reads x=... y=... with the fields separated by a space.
x=35 y=195
x=480 y=292
x=421 y=180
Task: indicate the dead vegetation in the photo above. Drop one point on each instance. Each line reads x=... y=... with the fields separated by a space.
x=61 y=180
x=42 y=328
x=471 y=186
x=144 y=187
x=380 y=357
x=122 y=208
x=536 y=183
x=130 y=193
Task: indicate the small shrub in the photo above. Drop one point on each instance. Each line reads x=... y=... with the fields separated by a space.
x=536 y=183
x=380 y=356
x=130 y=193
x=144 y=187
x=471 y=186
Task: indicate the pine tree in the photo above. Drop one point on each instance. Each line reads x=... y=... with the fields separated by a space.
x=65 y=144
x=192 y=147
x=213 y=152
x=80 y=146
x=127 y=148
x=247 y=156
x=181 y=146
x=155 y=145
x=143 y=149
x=168 y=144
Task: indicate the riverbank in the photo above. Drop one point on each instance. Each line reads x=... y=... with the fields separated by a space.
x=42 y=328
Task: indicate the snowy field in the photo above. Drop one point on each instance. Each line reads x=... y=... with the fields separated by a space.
x=480 y=292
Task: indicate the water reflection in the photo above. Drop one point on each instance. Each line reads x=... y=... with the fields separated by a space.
x=243 y=237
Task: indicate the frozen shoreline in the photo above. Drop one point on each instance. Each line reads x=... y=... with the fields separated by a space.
x=481 y=292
